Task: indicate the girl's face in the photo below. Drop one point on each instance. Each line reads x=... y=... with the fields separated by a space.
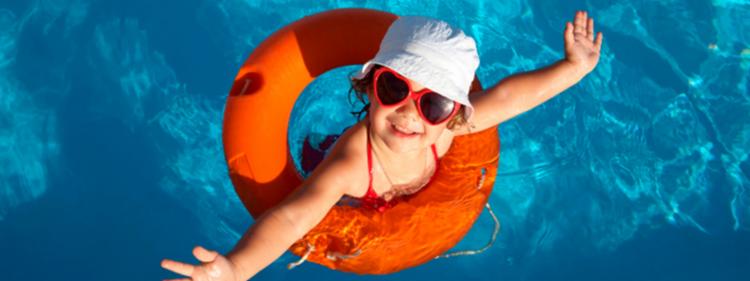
x=400 y=127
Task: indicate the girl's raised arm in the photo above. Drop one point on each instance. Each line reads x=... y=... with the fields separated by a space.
x=522 y=92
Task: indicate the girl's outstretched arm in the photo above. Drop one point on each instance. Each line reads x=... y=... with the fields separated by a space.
x=522 y=92
x=278 y=228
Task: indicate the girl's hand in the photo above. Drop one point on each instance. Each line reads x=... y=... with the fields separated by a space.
x=214 y=267
x=581 y=50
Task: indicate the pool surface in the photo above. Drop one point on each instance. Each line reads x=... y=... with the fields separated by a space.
x=111 y=155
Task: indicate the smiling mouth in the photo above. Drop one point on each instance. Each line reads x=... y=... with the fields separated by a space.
x=402 y=132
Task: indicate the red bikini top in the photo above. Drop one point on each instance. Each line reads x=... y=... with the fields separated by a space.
x=372 y=200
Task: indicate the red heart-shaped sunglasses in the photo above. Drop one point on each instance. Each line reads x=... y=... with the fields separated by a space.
x=392 y=89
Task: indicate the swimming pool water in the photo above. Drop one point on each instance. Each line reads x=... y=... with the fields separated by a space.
x=111 y=156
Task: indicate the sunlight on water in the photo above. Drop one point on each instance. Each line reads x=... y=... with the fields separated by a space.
x=655 y=140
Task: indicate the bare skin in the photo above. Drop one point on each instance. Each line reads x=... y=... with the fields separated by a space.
x=404 y=159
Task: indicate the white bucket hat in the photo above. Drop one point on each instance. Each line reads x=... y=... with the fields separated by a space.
x=432 y=53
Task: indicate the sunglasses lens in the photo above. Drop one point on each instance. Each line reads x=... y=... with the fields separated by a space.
x=435 y=107
x=391 y=89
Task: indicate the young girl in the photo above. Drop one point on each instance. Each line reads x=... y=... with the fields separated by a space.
x=418 y=85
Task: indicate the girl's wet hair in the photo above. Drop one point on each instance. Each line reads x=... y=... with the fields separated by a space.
x=360 y=87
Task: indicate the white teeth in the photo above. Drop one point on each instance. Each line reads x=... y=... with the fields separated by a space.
x=403 y=130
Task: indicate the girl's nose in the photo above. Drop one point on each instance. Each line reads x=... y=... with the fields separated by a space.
x=409 y=109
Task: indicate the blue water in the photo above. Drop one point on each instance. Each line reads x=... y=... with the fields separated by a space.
x=111 y=155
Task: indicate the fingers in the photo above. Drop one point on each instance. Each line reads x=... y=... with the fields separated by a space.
x=204 y=255
x=569 y=34
x=580 y=23
x=583 y=26
x=598 y=43
x=179 y=279
x=177 y=267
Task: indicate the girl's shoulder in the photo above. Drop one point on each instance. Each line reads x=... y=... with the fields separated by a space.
x=351 y=148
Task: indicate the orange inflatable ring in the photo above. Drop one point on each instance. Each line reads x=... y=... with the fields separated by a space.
x=349 y=239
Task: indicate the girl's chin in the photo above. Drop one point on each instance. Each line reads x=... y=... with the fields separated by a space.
x=401 y=145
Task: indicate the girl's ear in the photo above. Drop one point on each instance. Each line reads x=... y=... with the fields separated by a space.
x=371 y=96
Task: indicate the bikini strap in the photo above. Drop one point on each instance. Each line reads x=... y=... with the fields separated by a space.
x=434 y=154
x=437 y=162
x=370 y=192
